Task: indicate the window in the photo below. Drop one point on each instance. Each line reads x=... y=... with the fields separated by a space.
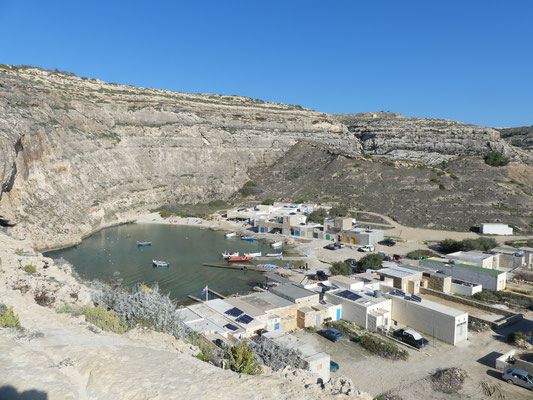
x=461 y=329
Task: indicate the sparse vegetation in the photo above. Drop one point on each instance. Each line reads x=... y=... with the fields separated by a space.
x=338 y=211
x=482 y=243
x=502 y=297
x=43 y=297
x=442 y=187
x=370 y=261
x=268 y=201
x=30 y=269
x=340 y=268
x=275 y=356
x=250 y=184
x=519 y=338
x=8 y=318
x=100 y=317
x=383 y=347
x=496 y=159
x=448 y=380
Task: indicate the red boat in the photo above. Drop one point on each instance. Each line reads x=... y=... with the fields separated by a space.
x=236 y=259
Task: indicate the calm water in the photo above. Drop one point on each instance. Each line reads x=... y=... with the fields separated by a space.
x=114 y=250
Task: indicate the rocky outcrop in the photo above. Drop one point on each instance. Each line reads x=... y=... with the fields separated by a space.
x=79 y=154
x=520 y=137
x=422 y=139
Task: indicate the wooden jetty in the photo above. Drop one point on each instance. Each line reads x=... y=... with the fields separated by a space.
x=190 y=296
x=244 y=267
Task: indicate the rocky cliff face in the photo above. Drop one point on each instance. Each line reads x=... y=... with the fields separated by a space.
x=79 y=154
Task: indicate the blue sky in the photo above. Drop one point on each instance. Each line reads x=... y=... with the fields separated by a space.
x=465 y=60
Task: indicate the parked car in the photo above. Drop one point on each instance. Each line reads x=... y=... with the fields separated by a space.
x=518 y=377
x=367 y=248
x=333 y=366
x=333 y=246
x=387 y=258
x=331 y=334
x=387 y=242
x=351 y=261
x=410 y=337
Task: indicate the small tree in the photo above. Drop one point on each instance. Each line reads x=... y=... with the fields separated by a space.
x=496 y=159
x=268 y=201
x=242 y=359
x=339 y=211
x=340 y=268
x=318 y=216
x=370 y=261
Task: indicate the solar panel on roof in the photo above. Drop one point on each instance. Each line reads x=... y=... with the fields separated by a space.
x=348 y=295
x=416 y=298
x=231 y=327
x=245 y=319
x=234 y=312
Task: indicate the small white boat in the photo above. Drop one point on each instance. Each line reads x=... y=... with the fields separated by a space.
x=228 y=254
x=160 y=264
x=274 y=255
x=253 y=255
x=230 y=235
x=276 y=245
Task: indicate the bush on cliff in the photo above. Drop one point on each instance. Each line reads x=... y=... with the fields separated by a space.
x=98 y=316
x=242 y=359
x=496 y=159
x=8 y=318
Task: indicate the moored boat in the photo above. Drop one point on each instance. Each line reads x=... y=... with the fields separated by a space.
x=253 y=255
x=140 y=244
x=228 y=254
x=274 y=255
x=249 y=238
x=270 y=266
x=230 y=235
x=160 y=264
x=237 y=259
x=276 y=245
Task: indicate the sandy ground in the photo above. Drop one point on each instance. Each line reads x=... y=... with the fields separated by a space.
x=407 y=378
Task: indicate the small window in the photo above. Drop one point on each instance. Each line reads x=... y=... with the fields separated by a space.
x=319 y=367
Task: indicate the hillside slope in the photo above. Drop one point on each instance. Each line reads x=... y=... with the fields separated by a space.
x=79 y=154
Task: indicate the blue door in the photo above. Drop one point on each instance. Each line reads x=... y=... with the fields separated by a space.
x=262 y=230
x=276 y=326
x=296 y=233
x=338 y=314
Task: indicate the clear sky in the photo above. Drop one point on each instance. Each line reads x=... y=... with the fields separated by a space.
x=465 y=60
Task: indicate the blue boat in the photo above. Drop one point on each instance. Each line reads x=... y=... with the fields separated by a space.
x=140 y=244
x=160 y=264
x=248 y=238
x=270 y=266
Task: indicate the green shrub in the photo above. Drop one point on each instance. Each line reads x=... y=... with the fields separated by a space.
x=370 y=261
x=30 y=269
x=383 y=348
x=514 y=337
x=502 y=297
x=20 y=252
x=8 y=319
x=339 y=211
x=203 y=356
x=242 y=359
x=250 y=184
x=318 y=216
x=496 y=159
x=268 y=201
x=98 y=316
x=442 y=187
x=482 y=244
x=340 y=268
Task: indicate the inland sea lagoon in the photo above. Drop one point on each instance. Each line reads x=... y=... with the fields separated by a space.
x=113 y=254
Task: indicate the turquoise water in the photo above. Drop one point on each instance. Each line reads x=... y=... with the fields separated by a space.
x=113 y=253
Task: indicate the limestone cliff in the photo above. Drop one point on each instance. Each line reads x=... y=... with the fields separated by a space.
x=78 y=154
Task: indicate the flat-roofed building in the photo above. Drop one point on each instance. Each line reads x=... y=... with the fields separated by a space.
x=442 y=322
x=238 y=317
x=483 y=260
x=361 y=236
x=488 y=278
x=346 y=282
x=368 y=310
x=510 y=257
x=213 y=322
x=404 y=278
x=296 y=294
x=315 y=361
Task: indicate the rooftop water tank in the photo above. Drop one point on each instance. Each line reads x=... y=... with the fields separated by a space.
x=377 y=293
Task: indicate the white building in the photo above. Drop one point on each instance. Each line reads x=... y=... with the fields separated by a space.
x=316 y=362
x=440 y=321
x=495 y=229
x=483 y=260
x=368 y=310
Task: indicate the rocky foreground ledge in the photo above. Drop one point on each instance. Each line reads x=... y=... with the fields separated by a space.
x=64 y=357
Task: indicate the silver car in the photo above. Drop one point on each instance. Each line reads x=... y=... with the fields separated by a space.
x=518 y=377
